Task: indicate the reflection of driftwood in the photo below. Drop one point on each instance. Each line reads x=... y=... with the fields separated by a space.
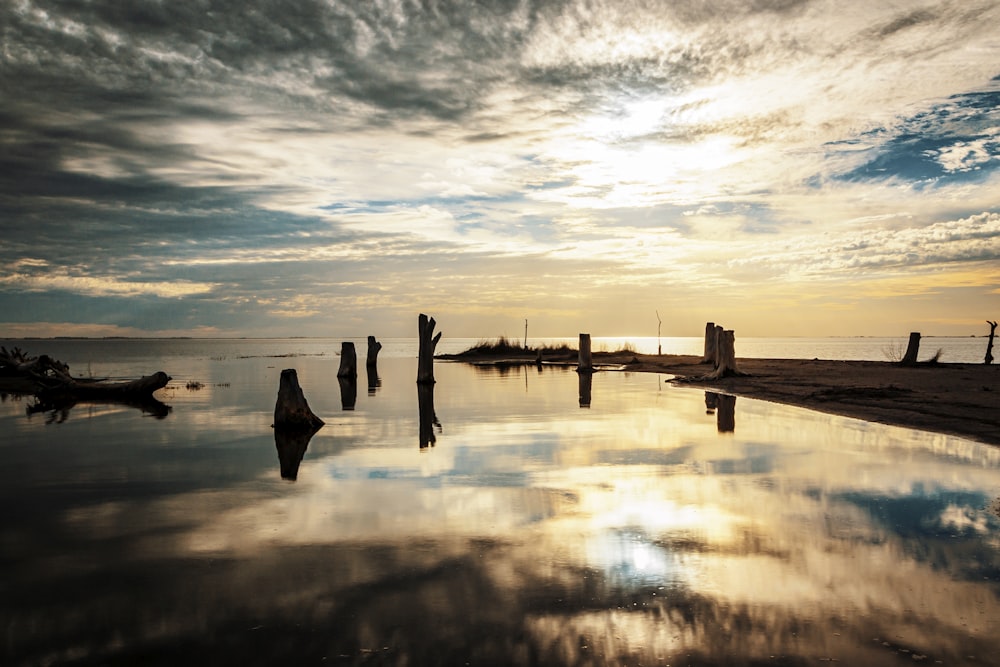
x=291 y=411
x=428 y=341
x=428 y=417
x=291 y=446
x=58 y=405
x=374 y=381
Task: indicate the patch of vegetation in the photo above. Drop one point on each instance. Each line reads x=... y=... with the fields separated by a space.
x=504 y=347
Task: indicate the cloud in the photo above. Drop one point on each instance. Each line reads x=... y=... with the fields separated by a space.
x=254 y=154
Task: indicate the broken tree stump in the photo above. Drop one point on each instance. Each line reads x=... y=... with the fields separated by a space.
x=725 y=355
x=989 y=345
x=348 y=361
x=585 y=363
x=373 y=349
x=428 y=341
x=291 y=410
x=710 y=343
x=912 y=348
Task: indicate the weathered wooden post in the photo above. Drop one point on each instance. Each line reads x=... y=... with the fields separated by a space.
x=291 y=411
x=585 y=364
x=912 y=347
x=373 y=349
x=710 y=343
x=428 y=341
x=989 y=345
x=348 y=361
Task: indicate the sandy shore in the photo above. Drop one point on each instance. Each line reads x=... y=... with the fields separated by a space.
x=959 y=399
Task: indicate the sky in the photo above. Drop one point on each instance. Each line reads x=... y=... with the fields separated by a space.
x=262 y=168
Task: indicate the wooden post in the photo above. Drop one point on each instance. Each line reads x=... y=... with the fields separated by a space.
x=912 y=347
x=585 y=365
x=717 y=346
x=291 y=411
x=710 y=343
x=659 y=325
x=989 y=345
x=428 y=341
x=374 y=347
x=348 y=361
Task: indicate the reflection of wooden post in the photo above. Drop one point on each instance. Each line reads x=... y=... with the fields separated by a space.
x=291 y=446
x=709 y=343
x=912 y=347
x=428 y=418
x=291 y=411
x=374 y=382
x=428 y=341
x=585 y=365
x=348 y=392
x=725 y=418
x=711 y=402
x=586 y=384
x=989 y=345
x=373 y=349
x=348 y=361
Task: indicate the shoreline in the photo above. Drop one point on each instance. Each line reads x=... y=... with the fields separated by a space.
x=950 y=398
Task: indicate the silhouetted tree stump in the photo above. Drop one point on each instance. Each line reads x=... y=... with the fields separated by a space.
x=912 y=348
x=348 y=361
x=711 y=338
x=428 y=342
x=989 y=345
x=291 y=411
x=725 y=355
x=373 y=349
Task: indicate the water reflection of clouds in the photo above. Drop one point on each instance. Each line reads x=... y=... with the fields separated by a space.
x=635 y=530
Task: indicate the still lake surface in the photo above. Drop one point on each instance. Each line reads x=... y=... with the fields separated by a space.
x=658 y=526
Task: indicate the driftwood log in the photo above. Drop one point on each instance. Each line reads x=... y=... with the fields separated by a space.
x=49 y=378
x=428 y=342
x=291 y=410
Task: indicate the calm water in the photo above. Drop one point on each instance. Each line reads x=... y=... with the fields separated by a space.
x=643 y=529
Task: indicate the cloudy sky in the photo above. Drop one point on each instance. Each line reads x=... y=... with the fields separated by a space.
x=254 y=168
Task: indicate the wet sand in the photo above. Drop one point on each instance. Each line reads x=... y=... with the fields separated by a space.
x=958 y=399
